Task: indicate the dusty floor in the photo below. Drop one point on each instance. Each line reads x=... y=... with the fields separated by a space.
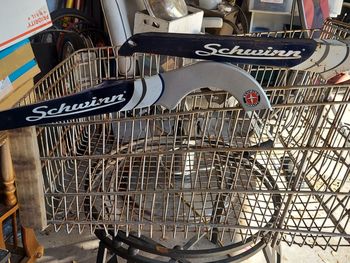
x=63 y=248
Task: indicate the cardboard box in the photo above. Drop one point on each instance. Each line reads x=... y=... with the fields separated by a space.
x=17 y=66
x=20 y=19
x=18 y=94
x=12 y=58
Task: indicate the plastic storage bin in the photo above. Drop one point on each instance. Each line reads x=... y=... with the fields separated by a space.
x=271 y=6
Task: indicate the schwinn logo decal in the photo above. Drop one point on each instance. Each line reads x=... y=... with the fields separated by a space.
x=43 y=112
x=214 y=49
x=251 y=98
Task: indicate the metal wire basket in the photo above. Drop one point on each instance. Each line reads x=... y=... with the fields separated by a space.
x=206 y=168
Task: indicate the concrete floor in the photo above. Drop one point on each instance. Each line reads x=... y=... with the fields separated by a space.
x=74 y=248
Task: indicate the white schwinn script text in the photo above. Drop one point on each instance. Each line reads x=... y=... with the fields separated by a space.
x=43 y=112
x=238 y=52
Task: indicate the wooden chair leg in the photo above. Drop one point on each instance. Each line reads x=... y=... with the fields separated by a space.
x=15 y=230
x=9 y=213
x=2 y=241
x=31 y=245
x=7 y=177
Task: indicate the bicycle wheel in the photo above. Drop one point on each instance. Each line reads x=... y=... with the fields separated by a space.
x=72 y=19
x=227 y=172
x=71 y=43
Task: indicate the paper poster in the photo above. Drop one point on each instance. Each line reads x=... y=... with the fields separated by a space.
x=315 y=13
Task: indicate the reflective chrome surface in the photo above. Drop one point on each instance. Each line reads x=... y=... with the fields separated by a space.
x=166 y=9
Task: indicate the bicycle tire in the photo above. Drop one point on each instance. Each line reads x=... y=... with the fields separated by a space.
x=71 y=12
x=73 y=41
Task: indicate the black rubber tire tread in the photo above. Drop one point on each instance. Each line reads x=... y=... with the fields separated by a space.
x=72 y=12
x=76 y=41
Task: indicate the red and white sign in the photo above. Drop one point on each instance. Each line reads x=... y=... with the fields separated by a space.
x=251 y=98
x=20 y=19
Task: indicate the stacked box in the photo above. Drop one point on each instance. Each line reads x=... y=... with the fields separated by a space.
x=21 y=19
x=17 y=67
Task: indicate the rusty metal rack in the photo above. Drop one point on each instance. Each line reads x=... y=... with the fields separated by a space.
x=206 y=170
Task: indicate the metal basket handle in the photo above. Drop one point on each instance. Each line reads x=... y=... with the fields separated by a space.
x=236 y=81
x=166 y=89
x=328 y=57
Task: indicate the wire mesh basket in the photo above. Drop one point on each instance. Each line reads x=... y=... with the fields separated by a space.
x=206 y=167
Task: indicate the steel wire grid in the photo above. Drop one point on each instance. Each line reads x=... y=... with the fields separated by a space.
x=206 y=167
